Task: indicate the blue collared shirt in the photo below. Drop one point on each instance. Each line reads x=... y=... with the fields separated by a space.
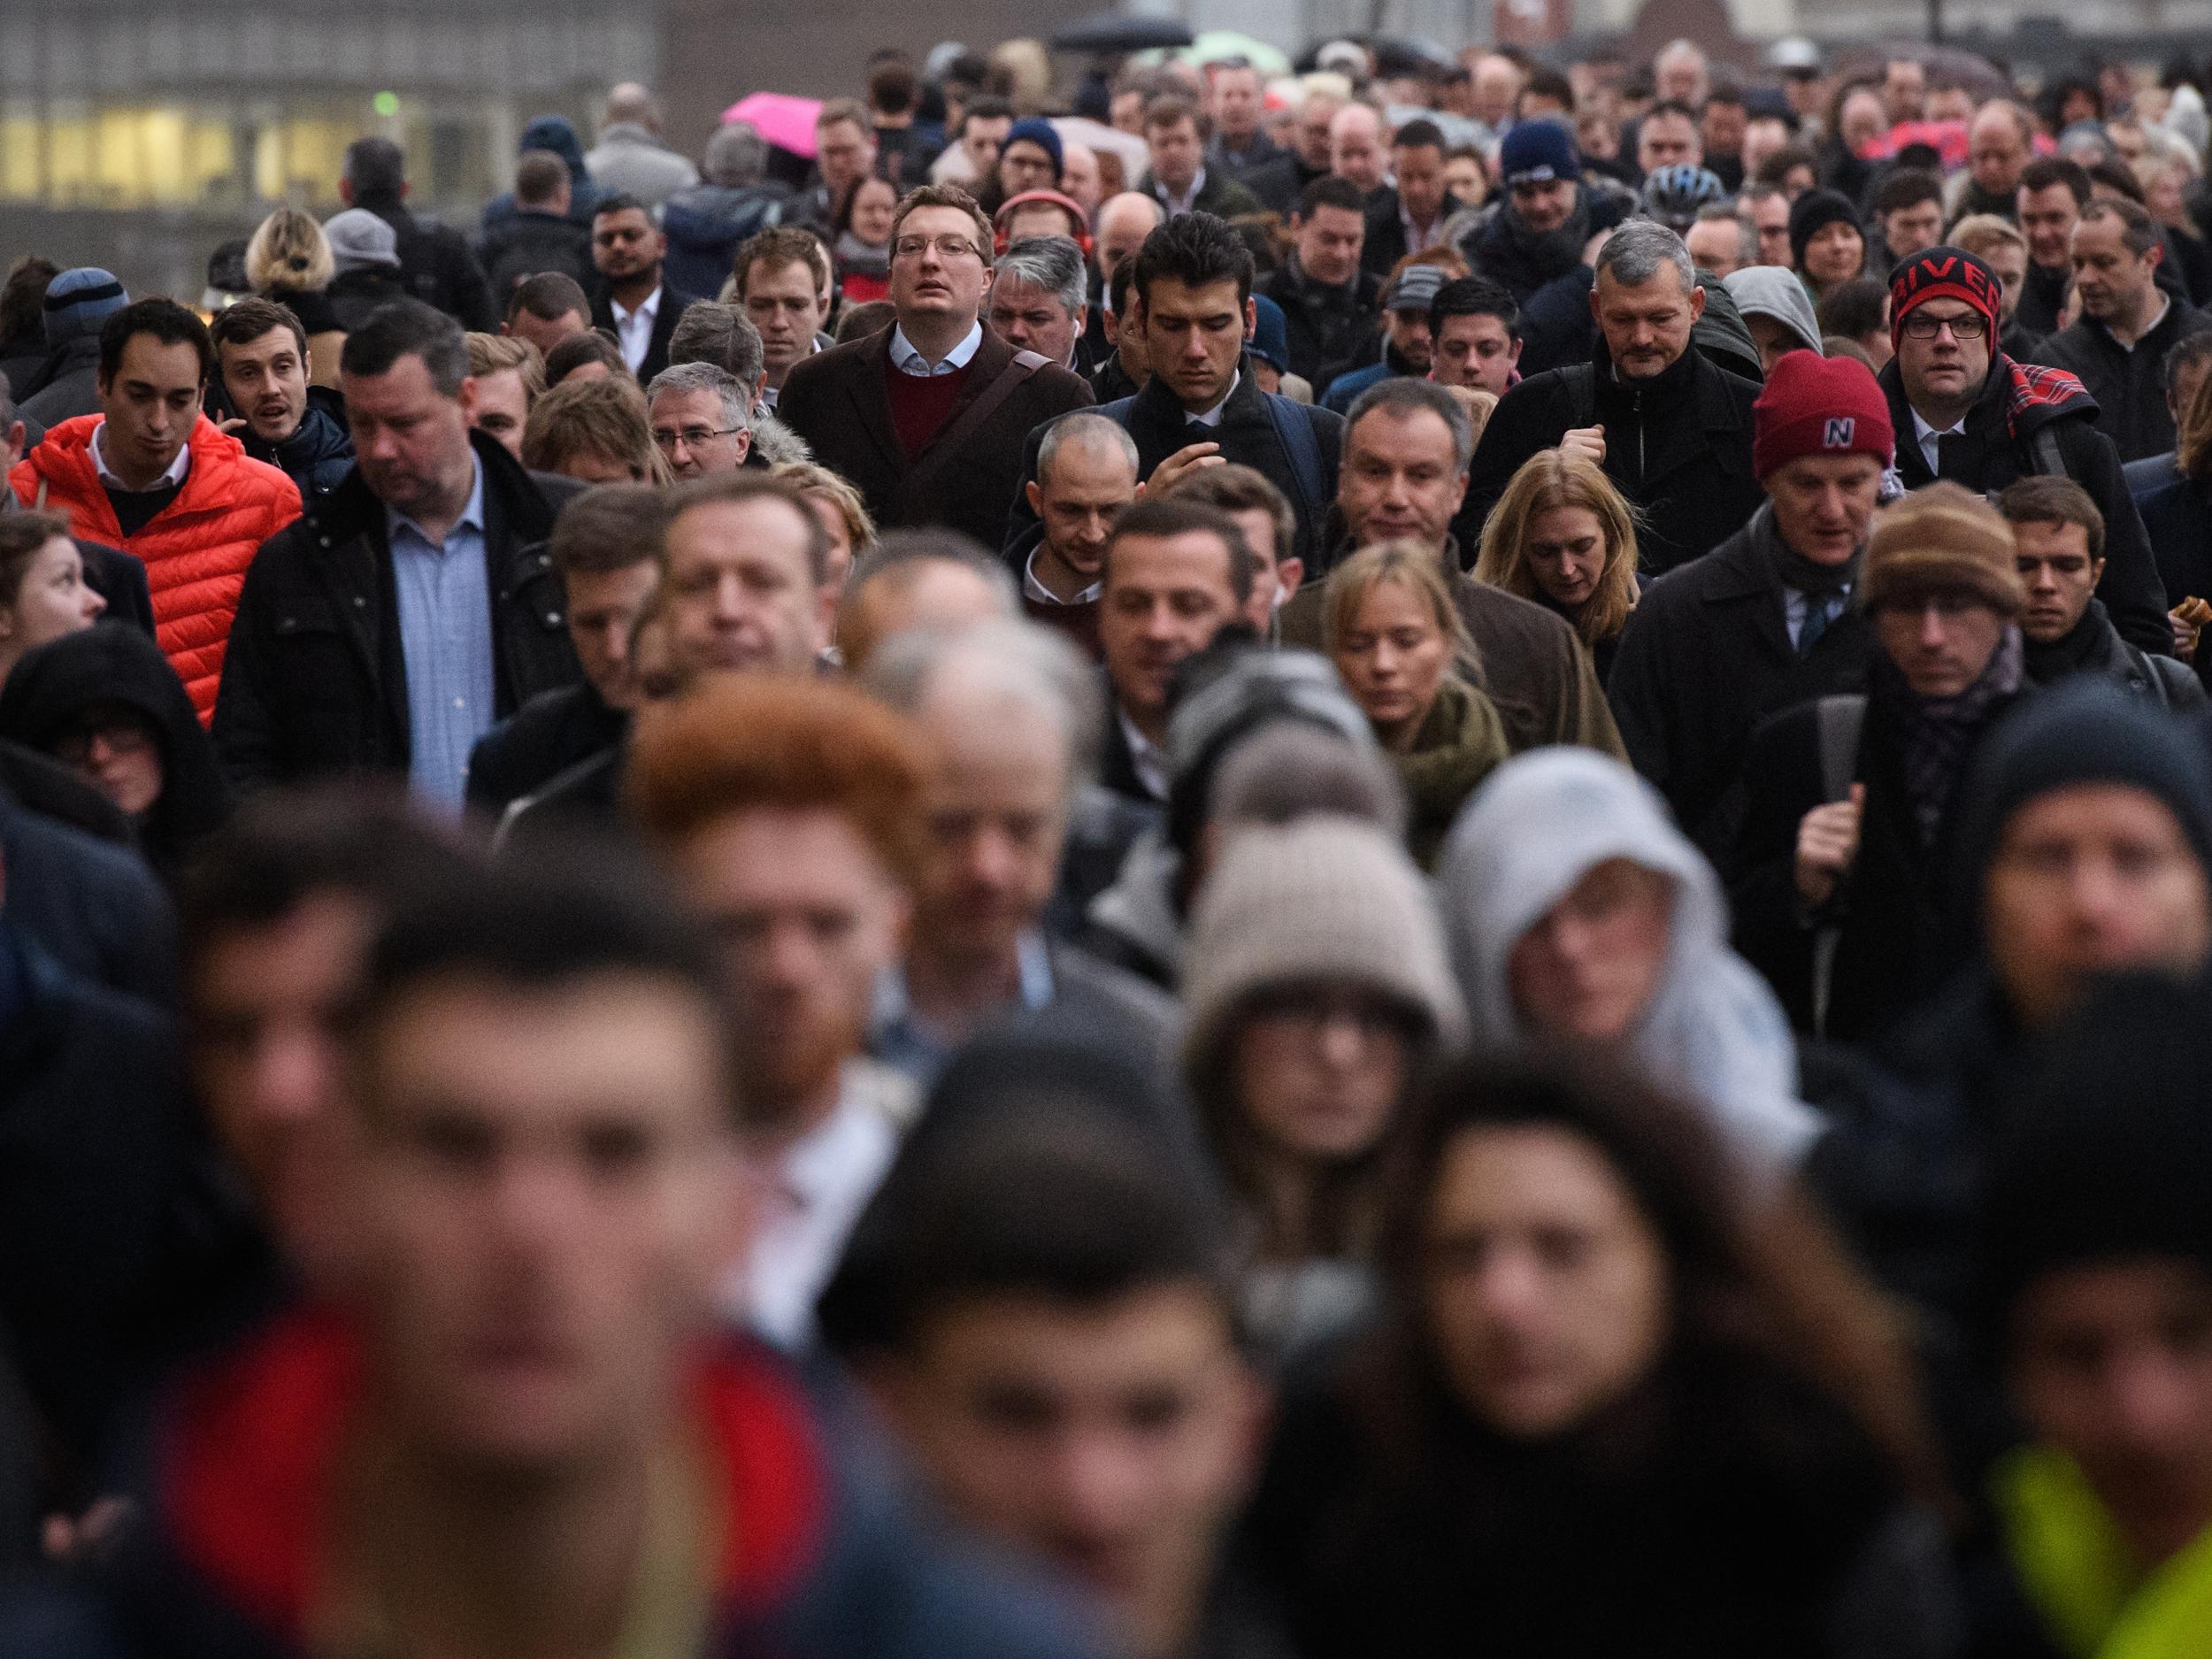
x=445 y=635
x=907 y=359
x=903 y=1042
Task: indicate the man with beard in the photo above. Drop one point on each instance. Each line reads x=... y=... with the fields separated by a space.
x=1532 y=243
x=1671 y=429
x=261 y=359
x=1004 y=710
x=786 y=809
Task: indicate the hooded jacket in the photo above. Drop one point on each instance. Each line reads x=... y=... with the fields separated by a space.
x=318 y=454
x=195 y=549
x=1712 y=1027
x=2027 y=422
x=91 y=905
x=1678 y=445
x=112 y=665
x=1768 y=290
x=233 y=1486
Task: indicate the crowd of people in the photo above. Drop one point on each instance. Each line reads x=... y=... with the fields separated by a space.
x=1434 y=880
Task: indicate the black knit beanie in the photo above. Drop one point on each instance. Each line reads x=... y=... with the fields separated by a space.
x=1813 y=210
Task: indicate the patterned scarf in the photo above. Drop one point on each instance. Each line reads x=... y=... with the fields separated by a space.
x=1938 y=731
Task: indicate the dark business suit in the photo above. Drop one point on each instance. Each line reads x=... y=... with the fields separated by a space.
x=839 y=401
x=674 y=305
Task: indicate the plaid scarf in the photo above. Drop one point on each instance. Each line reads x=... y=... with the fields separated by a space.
x=2034 y=395
x=1938 y=731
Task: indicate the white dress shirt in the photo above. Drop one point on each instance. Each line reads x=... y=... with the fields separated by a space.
x=1147 y=757
x=634 y=329
x=174 y=476
x=906 y=357
x=1212 y=417
x=817 y=1187
x=1033 y=589
x=1177 y=205
x=1929 y=438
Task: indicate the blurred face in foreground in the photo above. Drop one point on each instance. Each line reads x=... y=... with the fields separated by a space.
x=544 y=1189
x=1115 y=1440
x=1546 y=1288
x=1591 y=965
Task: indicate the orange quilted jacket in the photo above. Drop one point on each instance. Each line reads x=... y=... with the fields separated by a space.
x=195 y=549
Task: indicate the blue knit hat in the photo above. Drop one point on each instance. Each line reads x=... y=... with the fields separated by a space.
x=1040 y=132
x=1271 y=339
x=78 y=302
x=1536 y=152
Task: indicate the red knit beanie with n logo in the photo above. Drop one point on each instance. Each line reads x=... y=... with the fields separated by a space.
x=1816 y=405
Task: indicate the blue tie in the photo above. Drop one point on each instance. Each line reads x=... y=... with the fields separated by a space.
x=1820 y=611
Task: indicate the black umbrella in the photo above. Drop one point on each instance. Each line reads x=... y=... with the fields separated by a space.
x=1407 y=55
x=1120 y=32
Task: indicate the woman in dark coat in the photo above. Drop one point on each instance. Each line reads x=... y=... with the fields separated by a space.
x=1615 y=1411
x=105 y=702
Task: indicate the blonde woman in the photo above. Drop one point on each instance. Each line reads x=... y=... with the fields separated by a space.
x=1389 y=624
x=852 y=533
x=288 y=260
x=1563 y=536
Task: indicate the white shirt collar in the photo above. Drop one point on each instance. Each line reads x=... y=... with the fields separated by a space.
x=1147 y=758
x=1212 y=417
x=634 y=329
x=648 y=308
x=1927 y=437
x=1033 y=589
x=1184 y=202
x=2165 y=304
x=178 y=468
x=907 y=359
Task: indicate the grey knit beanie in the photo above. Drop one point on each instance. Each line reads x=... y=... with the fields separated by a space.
x=1327 y=899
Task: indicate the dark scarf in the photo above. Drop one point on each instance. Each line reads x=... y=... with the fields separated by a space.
x=2081 y=648
x=1938 y=731
x=1551 y=252
x=1799 y=573
x=1458 y=745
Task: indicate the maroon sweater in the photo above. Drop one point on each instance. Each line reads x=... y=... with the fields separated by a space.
x=918 y=407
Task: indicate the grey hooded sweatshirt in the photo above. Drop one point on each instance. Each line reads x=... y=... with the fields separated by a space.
x=1712 y=1030
x=1768 y=290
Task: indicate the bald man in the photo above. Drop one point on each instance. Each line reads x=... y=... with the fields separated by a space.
x=919 y=579
x=1358 y=147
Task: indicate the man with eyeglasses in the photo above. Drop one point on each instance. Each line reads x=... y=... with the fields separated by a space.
x=702 y=419
x=927 y=419
x=1965 y=411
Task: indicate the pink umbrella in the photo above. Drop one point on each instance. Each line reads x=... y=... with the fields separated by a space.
x=783 y=121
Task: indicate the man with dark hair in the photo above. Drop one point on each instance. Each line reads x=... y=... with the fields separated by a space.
x=1476 y=328
x=1175 y=134
x=1409 y=214
x=1671 y=429
x=152 y=475
x=435 y=261
x=1191 y=294
x=2127 y=327
x=2059 y=536
x=1908 y=217
x=1722 y=122
x=547 y=309
x=415 y=607
x=547 y=1179
x=1176 y=573
x=1328 y=297
x=626 y=250
x=262 y=365
x=927 y=417
x=606 y=550
x=1859 y=311
x=783 y=283
x=2052 y=194
x=1064 y=1259
x=540 y=237
x=1965 y=411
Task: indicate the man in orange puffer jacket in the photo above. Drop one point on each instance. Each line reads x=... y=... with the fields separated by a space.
x=152 y=475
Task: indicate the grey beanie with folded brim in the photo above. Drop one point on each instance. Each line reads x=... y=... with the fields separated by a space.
x=1768 y=290
x=1323 y=900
